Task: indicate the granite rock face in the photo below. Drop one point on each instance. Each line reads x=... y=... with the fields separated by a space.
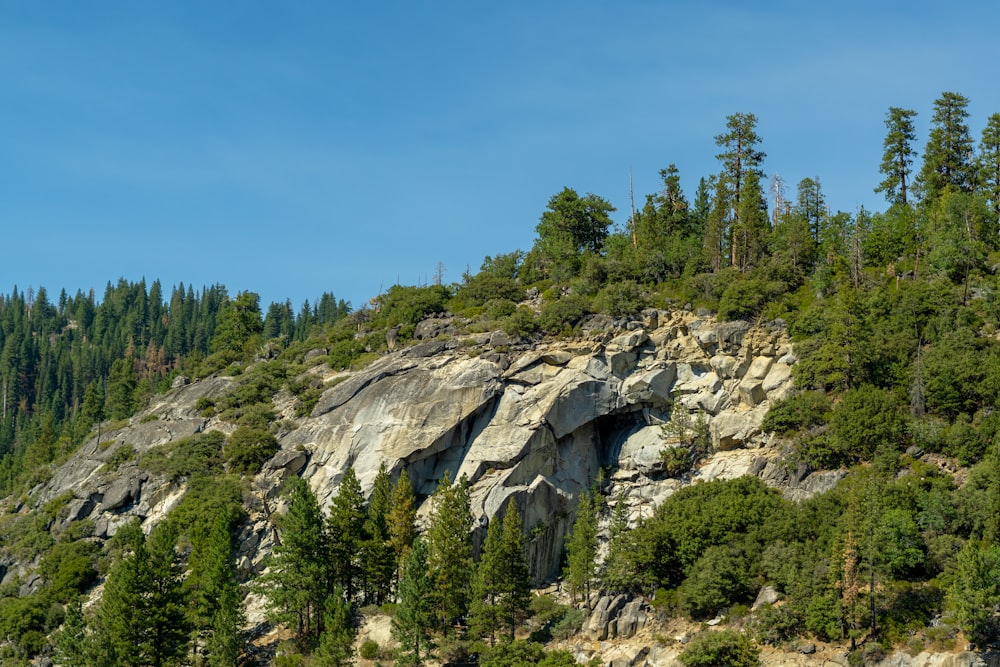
x=533 y=422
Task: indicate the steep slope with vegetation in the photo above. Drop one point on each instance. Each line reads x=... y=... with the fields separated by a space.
x=892 y=322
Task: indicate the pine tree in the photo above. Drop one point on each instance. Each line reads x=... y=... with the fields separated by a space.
x=897 y=160
x=484 y=613
x=811 y=205
x=412 y=621
x=739 y=158
x=71 y=641
x=615 y=573
x=948 y=157
x=239 y=324
x=219 y=601
x=121 y=389
x=334 y=648
x=226 y=642
x=379 y=561
x=402 y=522
x=753 y=230
x=168 y=629
x=718 y=222
x=449 y=551
x=515 y=584
x=141 y=617
x=295 y=585
x=989 y=167
x=581 y=548
x=974 y=592
x=345 y=530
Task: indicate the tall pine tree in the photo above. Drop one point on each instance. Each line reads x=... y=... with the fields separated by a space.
x=449 y=551
x=412 y=621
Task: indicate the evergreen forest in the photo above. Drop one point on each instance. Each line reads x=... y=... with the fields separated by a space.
x=895 y=322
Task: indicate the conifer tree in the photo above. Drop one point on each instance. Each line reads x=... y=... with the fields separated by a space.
x=379 y=562
x=718 y=221
x=402 y=521
x=219 y=601
x=295 y=585
x=412 y=621
x=989 y=166
x=948 y=157
x=141 y=618
x=71 y=641
x=615 y=575
x=345 y=535
x=164 y=615
x=974 y=592
x=121 y=389
x=753 y=230
x=515 y=584
x=811 y=205
x=449 y=551
x=334 y=648
x=739 y=158
x=897 y=160
x=484 y=611
x=581 y=548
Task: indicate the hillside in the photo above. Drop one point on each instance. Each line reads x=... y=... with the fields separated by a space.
x=781 y=424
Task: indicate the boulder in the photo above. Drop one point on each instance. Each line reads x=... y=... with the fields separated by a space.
x=734 y=429
x=432 y=328
x=287 y=462
x=759 y=367
x=599 y=626
x=752 y=392
x=653 y=386
x=123 y=491
x=641 y=450
x=767 y=595
x=631 y=619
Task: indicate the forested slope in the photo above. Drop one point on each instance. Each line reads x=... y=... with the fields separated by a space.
x=894 y=321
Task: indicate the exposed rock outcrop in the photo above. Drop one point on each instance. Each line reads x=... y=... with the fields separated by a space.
x=531 y=422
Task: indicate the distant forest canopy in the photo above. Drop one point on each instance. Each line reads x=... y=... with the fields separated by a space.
x=736 y=247
x=64 y=365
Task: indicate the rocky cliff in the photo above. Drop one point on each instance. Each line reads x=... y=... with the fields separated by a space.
x=536 y=422
x=532 y=421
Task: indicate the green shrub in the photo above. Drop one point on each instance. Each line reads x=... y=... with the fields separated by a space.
x=676 y=460
x=523 y=653
x=205 y=406
x=522 y=323
x=369 y=649
x=499 y=308
x=775 y=625
x=569 y=624
x=207 y=498
x=796 y=413
x=717 y=580
x=121 y=456
x=620 y=298
x=402 y=305
x=746 y=297
x=725 y=647
x=248 y=449
x=484 y=287
x=559 y=317
x=866 y=420
x=199 y=454
x=344 y=352
x=69 y=568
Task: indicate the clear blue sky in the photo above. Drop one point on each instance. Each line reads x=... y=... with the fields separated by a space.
x=300 y=147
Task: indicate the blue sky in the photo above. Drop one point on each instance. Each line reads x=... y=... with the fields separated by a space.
x=297 y=148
